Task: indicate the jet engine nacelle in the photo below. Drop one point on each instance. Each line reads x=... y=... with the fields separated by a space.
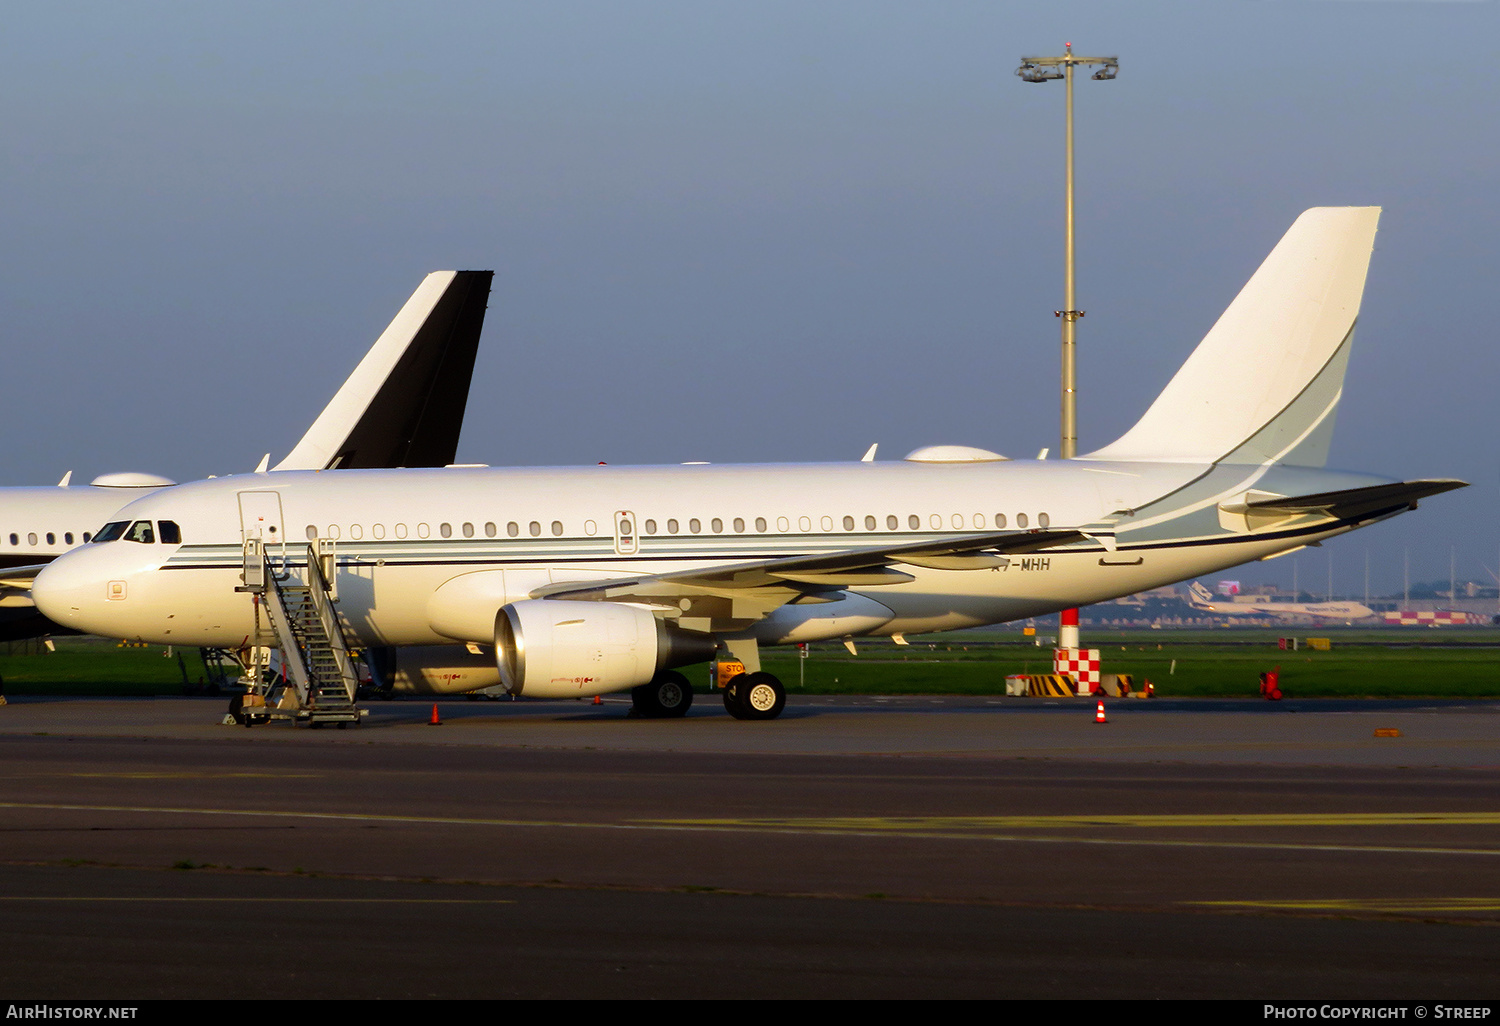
x=563 y=649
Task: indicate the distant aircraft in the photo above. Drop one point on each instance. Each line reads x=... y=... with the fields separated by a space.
x=402 y=407
x=590 y=580
x=1201 y=598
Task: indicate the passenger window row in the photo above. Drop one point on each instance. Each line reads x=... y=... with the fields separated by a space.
x=534 y=528
x=33 y=540
x=914 y=522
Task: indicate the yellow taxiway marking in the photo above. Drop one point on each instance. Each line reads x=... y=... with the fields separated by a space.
x=952 y=828
x=1409 y=905
x=299 y=901
x=148 y=775
x=1252 y=819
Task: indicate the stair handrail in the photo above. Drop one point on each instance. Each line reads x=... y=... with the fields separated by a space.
x=322 y=567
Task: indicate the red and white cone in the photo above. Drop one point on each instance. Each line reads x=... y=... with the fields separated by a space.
x=1099 y=716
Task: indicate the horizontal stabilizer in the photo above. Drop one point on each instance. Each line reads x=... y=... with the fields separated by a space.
x=404 y=404
x=1264 y=384
x=1354 y=503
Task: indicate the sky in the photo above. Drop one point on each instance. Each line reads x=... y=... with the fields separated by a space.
x=737 y=232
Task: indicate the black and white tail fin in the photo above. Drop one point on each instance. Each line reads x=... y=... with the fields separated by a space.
x=404 y=404
x=1264 y=384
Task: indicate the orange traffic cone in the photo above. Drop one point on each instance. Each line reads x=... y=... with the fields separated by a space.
x=1099 y=714
x=598 y=700
x=435 y=721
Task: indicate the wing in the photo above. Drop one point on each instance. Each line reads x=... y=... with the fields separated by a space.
x=18 y=578
x=733 y=597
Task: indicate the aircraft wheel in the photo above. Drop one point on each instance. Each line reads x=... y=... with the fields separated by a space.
x=236 y=705
x=733 y=694
x=765 y=697
x=755 y=696
x=668 y=695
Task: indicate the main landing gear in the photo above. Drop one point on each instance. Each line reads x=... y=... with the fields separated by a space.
x=754 y=696
x=669 y=695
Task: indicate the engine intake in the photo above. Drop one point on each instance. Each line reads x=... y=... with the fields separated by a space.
x=563 y=649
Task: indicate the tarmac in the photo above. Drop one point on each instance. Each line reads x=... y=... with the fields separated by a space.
x=856 y=847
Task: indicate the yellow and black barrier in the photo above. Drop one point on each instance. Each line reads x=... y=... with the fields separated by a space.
x=1050 y=685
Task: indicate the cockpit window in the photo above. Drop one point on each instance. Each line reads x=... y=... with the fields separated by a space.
x=170 y=533
x=112 y=532
x=141 y=531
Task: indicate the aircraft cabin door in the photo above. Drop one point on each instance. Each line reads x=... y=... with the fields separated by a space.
x=626 y=543
x=260 y=517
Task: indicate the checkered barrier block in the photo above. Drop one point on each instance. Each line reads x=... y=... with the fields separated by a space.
x=1082 y=664
x=1428 y=617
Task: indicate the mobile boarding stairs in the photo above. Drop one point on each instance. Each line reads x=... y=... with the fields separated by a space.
x=320 y=675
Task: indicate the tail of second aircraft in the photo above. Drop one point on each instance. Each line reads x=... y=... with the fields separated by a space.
x=404 y=404
x=1264 y=384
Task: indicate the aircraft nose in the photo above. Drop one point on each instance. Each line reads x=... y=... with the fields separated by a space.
x=88 y=588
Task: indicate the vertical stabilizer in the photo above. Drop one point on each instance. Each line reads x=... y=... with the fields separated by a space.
x=404 y=404
x=1264 y=384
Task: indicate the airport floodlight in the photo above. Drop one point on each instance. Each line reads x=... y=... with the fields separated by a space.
x=1046 y=69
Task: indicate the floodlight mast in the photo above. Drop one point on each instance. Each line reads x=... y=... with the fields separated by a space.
x=1047 y=69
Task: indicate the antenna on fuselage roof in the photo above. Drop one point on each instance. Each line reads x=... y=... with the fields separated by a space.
x=66 y=478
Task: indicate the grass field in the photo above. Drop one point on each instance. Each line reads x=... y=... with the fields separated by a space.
x=94 y=666
x=1456 y=662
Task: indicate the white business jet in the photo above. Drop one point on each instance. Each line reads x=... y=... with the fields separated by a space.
x=402 y=407
x=604 y=579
